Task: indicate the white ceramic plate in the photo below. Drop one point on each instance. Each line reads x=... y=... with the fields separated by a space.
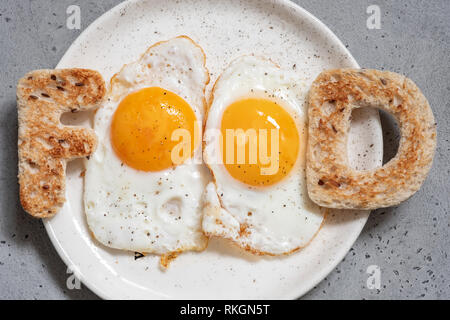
x=279 y=30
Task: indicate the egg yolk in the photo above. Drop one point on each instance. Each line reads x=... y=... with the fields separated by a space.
x=142 y=128
x=260 y=141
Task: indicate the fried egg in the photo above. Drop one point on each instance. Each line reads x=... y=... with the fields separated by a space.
x=142 y=190
x=255 y=143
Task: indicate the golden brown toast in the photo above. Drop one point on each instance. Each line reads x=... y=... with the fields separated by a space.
x=333 y=96
x=44 y=144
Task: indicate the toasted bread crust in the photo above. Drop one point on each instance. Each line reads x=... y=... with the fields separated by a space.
x=44 y=144
x=333 y=96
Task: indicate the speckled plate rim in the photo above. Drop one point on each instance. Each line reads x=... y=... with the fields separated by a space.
x=343 y=248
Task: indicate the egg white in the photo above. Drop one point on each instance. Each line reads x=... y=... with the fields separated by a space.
x=283 y=218
x=154 y=212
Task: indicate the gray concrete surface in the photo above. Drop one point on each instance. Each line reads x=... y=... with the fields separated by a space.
x=409 y=243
